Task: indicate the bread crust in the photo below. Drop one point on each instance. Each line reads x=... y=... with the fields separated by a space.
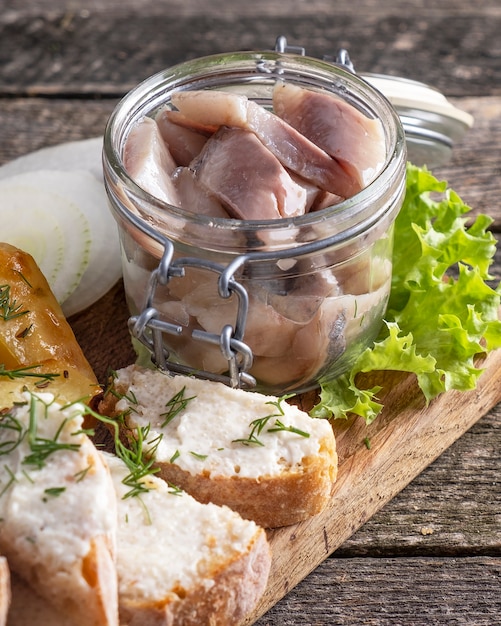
x=5 y=592
x=237 y=587
x=270 y=501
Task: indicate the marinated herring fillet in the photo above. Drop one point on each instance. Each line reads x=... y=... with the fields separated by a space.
x=295 y=151
x=260 y=456
x=232 y=163
x=338 y=128
x=183 y=562
x=57 y=510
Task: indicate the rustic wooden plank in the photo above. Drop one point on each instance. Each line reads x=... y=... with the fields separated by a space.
x=29 y=124
x=106 y=49
x=378 y=592
x=451 y=509
x=260 y=8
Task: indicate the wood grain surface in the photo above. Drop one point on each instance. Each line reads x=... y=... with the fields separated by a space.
x=431 y=554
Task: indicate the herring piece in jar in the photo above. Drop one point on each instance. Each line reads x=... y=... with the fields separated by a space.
x=208 y=108
x=301 y=155
x=345 y=133
x=184 y=144
x=247 y=179
x=193 y=197
x=267 y=332
x=149 y=162
x=294 y=151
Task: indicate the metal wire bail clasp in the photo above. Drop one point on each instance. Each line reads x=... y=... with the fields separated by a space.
x=149 y=328
x=342 y=57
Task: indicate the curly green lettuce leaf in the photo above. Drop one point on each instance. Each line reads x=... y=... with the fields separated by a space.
x=442 y=313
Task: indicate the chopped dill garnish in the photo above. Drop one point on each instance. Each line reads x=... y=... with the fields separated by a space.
x=55 y=491
x=41 y=447
x=139 y=463
x=174 y=406
x=12 y=479
x=200 y=457
x=174 y=490
x=9 y=422
x=278 y=402
x=79 y=476
x=27 y=372
x=291 y=429
x=9 y=308
x=259 y=424
x=175 y=456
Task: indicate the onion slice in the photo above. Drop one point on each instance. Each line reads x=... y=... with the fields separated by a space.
x=84 y=154
x=62 y=218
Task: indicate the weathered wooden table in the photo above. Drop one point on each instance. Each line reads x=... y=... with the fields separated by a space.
x=433 y=554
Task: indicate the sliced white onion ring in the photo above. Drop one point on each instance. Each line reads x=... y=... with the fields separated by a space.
x=52 y=229
x=43 y=201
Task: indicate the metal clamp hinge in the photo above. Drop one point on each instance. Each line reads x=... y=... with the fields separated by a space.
x=150 y=329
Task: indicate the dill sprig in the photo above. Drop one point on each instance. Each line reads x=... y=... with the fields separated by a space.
x=139 y=463
x=12 y=479
x=27 y=372
x=9 y=308
x=197 y=455
x=42 y=447
x=290 y=429
x=259 y=424
x=13 y=432
x=54 y=491
x=8 y=422
x=175 y=405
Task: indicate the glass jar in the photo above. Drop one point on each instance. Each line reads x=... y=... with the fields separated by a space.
x=275 y=305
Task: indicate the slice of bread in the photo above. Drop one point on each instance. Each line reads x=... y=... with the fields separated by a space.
x=257 y=454
x=58 y=509
x=183 y=562
x=5 y=592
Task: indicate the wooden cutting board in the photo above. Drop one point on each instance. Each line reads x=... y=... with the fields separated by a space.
x=405 y=438
x=375 y=462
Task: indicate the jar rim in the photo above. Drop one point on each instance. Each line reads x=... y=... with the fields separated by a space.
x=256 y=66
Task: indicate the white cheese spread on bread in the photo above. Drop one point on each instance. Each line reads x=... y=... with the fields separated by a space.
x=257 y=454
x=183 y=562
x=211 y=431
x=57 y=509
